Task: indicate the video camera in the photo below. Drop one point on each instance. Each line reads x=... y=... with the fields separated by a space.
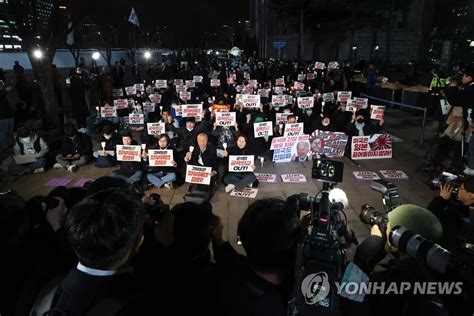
x=450 y=179
x=320 y=259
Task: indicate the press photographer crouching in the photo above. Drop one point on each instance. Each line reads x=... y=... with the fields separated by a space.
x=414 y=262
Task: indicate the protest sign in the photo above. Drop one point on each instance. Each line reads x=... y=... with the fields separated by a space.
x=305 y=102
x=328 y=97
x=279 y=90
x=198 y=174
x=241 y=163
x=278 y=101
x=377 y=146
x=136 y=119
x=225 y=118
x=185 y=96
x=160 y=157
x=245 y=192
x=155 y=128
x=108 y=112
x=129 y=153
x=361 y=103
x=310 y=76
x=351 y=106
x=343 y=96
x=180 y=89
x=293 y=178
x=377 y=112
x=149 y=106
x=282 y=155
x=161 y=84
x=247 y=90
x=330 y=144
x=262 y=129
x=191 y=110
x=215 y=82
x=197 y=78
x=287 y=141
x=263 y=93
x=333 y=65
x=251 y=100
x=281 y=118
x=266 y=177
x=279 y=82
x=301 y=77
x=319 y=65
x=298 y=85
x=130 y=90
x=190 y=84
x=239 y=88
x=117 y=93
x=246 y=76
x=178 y=82
x=140 y=87
x=253 y=83
x=220 y=108
x=155 y=98
x=295 y=129
x=366 y=175
x=394 y=174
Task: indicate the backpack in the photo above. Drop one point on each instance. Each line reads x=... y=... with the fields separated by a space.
x=199 y=193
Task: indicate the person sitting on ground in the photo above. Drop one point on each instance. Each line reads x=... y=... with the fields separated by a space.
x=130 y=171
x=204 y=155
x=164 y=176
x=225 y=135
x=105 y=231
x=106 y=155
x=29 y=143
x=239 y=180
x=361 y=125
x=76 y=150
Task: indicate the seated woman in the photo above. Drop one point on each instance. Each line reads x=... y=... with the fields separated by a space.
x=28 y=143
x=163 y=176
x=130 y=171
x=106 y=155
x=239 y=179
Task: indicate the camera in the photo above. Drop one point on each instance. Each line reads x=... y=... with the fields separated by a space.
x=327 y=170
x=450 y=179
x=369 y=215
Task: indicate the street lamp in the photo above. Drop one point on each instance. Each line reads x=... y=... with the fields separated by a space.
x=38 y=53
x=147 y=55
x=95 y=56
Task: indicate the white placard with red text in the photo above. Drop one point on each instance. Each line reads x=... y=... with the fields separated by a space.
x=136 y=119
x=121 y=104
x=140 y=87
x=108 y=112
x=361 y=103
x=184 y=95
x=131 y=90
x=281 y=118
x=197 y=78
x=129 y=153
x=178 y=82
x=225 y=118
x=250 y=193
x=251 y=100
x=394 y=174
x=149 y=106
x=328 y=97
x=279 y=90
x=266 y=177
x=155 y=128
x=293 y=178
x=155 y=98
x=278 y=101
x=262 y=129
x=377 y=112
x=191 y=110
x=279 y=82
x=241 y=163
x=198 y=174
x=343 y=96
x=160 y=157
x=298 y=85
x=117 y=93
x=305 y=102
x=319 y=65
x=366 y=175
x=190 y=84
x=215 y=82
x=376 y=146
x=295 y=129
x=161 y=83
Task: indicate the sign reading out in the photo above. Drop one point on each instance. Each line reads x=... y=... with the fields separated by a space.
x=241 y=163
x=262 y=129
x=106 y=112
x=225 y=118
x=155 y=128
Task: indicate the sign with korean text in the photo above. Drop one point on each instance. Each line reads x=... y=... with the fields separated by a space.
x=282 y=155
x=136 y=119
x=343 y=96
x=178 y=82
x=253 y=83
x=250 y=193
x=251 y=100
x=197 y=78
x=184 y=95
x=131 y=90
x=117 y=93
x=278 y=101
x=225 y=118
x=330 y=144
x=279 y=82
x=319 y=65
x=215 y=82
x=161 y=84
x=301 y=77
x=298 y=85
x=149 y=106
x=155 y=128
x=190 y=84
x=129 y=153
x=279 y=89
x=262 y=129
x=180 y=89
x=361 y=103
x=333 y=65
x=121 y=104
x=305 y=102
x=377 y=112
x=140 y=87
x=241 y=163
x=108 y=112
x=266 y=177
x=394 y=174
x=287 y=141
x=293 y=178
x=377 y=146
x=295 y=129
x=281 y=118
x=328 y=97
x=160 y=157
x=366 y=175
x=198 y=174
x=191 y=110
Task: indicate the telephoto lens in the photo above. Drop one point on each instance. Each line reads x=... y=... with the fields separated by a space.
x=369 y=215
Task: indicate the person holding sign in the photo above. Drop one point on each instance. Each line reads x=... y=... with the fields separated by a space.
x=239 y=180
x=105 y=155
x=130 y=171
x=76 y=149
x=359 y=127
x=163 y=175
x=203 y=155
x=225 y=135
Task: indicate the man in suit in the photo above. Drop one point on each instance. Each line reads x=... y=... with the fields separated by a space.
x=105 y=231
x=204 y=155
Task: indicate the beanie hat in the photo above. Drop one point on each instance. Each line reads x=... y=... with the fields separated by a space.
x=418 y=220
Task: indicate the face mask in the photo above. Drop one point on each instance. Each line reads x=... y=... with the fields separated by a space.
x=360 y=120
x=189 y=129
x=107 y=136
x=25 y=140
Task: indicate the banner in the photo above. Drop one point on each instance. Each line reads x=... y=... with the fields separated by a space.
x=301 y=77
x=225 y=118
x=361 y=103
x=197 y=78
x=263 y=93
x=366 y=175
x=117 y=93
x=281 y=118
x=148 y=106
x=245 y=192
x=215 y=82
x=319 y=65
x=262 y=129
x=241 y=163
x=160 y=157
x=298 y=85
x=328 y=97
x=287 y=141
x=330 y=144
x=377 y=112
x=161 y=84
x=377 y=146
x=343 y=96
x=279 y=82
x=108 y=112
x=220 y=108
x=394 y=174
x=136 y=119
x=293 y=178
x=155 y=128
x=140 y=87
x=278 y=101
x=295 y=129
x=305 y=102
x=251 y=100
x=282 y=155
x=266 y=177
x=191 y=110
x=185 y=95
x=130 y=90
x=198 y=174
x=129 y=153
x=190 y=84
x=246 y=76
x=178 y=82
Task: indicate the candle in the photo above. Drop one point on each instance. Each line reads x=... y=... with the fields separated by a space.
x=297 y=118
x=322 y=103
x=191 y=149
x=161 y=108
x=224 y=145
x=281 y=126
x=261 y=161
x=103 y=145
x=143 y=146
x=97 y=109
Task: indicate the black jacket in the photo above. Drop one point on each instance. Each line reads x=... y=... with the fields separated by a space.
x=81 y=144
x=112 y=142
x=209 y=157
x=187 y=138
x=463 y=98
